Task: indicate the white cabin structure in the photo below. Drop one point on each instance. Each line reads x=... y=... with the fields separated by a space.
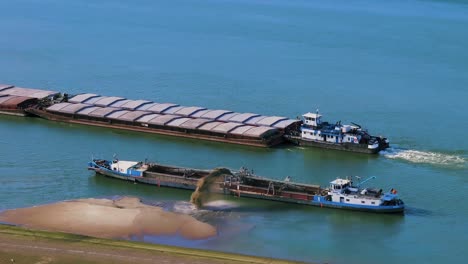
x=312 y=119
x=342 y=191
x=311 y=130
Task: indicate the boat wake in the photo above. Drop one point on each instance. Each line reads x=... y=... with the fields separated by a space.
x=433 y=158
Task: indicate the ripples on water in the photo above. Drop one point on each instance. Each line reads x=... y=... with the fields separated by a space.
x=428 y=157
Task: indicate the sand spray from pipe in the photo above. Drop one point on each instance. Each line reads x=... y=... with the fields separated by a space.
x=205 y=186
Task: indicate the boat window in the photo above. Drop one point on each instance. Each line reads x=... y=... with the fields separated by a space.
x=347 y=200
x=372 y=202
x=312 y=119
x=363 y=202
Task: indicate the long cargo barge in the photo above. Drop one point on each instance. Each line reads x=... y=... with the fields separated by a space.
x=188 y=121
x=259 y=136
x=341 y=194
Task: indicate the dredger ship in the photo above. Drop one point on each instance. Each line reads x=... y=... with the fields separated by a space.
x=192 y=122
x=342 y=193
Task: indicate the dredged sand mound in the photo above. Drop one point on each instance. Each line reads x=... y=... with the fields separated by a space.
x=107 y=218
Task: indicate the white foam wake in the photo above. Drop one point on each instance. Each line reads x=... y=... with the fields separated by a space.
x=184 y=207
x=434 y=158
x=220 y=205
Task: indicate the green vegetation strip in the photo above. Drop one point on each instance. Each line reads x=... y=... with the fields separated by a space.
x=19 y=231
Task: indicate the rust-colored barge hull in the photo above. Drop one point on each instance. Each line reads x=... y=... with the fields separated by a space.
x=162 y=130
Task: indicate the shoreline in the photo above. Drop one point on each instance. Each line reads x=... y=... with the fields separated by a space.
x=62 y=246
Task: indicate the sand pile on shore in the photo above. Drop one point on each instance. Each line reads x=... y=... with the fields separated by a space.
x=107 y=218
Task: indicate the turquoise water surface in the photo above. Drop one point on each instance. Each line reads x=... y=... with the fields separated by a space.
x=399 y=68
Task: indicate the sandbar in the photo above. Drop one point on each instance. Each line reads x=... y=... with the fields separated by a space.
x=106 y=218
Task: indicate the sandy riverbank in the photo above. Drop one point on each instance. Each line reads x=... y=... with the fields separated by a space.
x=31 y=246
x=107 y=218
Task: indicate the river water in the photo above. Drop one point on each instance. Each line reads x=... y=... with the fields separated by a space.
x=399 y=68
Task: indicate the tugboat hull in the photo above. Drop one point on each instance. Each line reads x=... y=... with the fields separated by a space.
x=396 y=209
x=359 y=148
